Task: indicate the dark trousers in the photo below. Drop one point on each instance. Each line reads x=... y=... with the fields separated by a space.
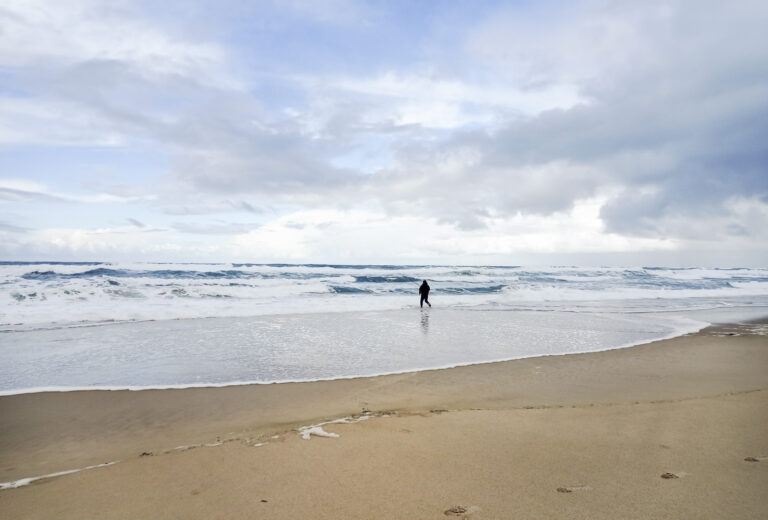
x=424 y=298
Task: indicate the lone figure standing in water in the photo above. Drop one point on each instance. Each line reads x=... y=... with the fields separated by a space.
x=424 y=292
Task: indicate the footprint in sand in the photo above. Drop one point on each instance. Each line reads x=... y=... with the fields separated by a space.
x=669 y=475
x=461 y=511
x=571 y=489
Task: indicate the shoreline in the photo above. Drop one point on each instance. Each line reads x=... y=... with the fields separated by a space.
x=698 y=327
x=686 y=325
x=713 y=372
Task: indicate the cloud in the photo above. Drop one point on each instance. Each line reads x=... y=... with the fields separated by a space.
x=432 y=101
x=99 y=243
x=11 y=228
x=658 y=111
x=217 y=228
x=13 y=195
x=78 y=31
x=81 y=88
x=356 y=236
x=369 y=235
x=674 y=128
x=14 y=190
x=198 y=206
x=569 y=43
x=489 y=135
x=40 y=122
x=136 y=223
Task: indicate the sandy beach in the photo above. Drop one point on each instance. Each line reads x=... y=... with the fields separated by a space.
x=672 y=429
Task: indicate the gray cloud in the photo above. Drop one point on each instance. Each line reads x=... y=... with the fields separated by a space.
x=677 y=135
x=205 y=206
x=12 y=194
x=224 y=228
x=221 y=141
x=246 y=206
x=136 y=223
x=11 y=228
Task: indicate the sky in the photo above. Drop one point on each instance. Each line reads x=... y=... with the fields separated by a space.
x=340 y=131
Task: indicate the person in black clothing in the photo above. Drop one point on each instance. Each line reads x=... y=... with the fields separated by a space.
x=424 y=292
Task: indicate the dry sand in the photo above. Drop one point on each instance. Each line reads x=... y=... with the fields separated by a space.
x=580 y=436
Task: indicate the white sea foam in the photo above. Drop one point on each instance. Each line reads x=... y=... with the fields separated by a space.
x=317 y=429
x=26 y=481
x=56 y=295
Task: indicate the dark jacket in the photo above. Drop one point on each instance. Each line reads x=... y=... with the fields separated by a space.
x=424 y=289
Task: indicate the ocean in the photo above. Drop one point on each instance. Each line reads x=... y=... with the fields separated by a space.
x=68 y=326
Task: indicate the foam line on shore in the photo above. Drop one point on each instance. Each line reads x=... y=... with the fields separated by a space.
x=28 y=480
x=317 y=429
x=305 y=432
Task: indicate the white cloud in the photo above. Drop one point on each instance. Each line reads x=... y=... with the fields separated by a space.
x=572 y=43
x=368 y=236
x=359 y=235
x=49 y=122
x=22 y=189
x=123 y=242
x=434 y=102
x=22 y=185
x=62 y=33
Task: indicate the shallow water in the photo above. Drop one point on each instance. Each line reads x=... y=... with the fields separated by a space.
x=267 y=349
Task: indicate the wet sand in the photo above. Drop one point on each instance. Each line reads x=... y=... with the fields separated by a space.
x=579 y=436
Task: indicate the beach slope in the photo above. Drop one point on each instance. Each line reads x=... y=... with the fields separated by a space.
x=672 y=429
